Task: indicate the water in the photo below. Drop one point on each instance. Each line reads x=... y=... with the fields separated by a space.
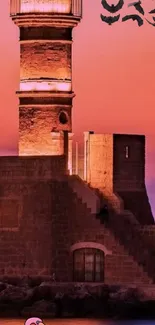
x=78 y=322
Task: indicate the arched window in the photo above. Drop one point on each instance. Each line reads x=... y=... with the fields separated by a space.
x=88 y=265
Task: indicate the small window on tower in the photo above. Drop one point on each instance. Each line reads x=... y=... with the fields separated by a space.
x=63 y=118
x=127 y=152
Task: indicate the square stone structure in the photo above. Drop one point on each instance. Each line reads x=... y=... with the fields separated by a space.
x=49 y=222
x=115 y=163
x=100 y=230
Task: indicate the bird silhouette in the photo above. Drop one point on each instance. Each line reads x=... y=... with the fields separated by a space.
x=112 y=9
x=34 y=321
x=153 y=24
x=110 y=20
x=137 y=6
x=134 y=17
x=152 y=11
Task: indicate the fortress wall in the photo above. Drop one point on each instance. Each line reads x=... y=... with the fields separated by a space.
x=41 y=218
x=26 y=187
x=75 y=224
x=25 y=232
x=128 y=162
x=99 y=161
x=25 y=168
x=45 y=222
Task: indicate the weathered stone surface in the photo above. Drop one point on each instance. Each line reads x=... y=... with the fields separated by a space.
x=13 y=294
x=53 y=60
x=41 y=307
x=35 y=127
x=109 y=301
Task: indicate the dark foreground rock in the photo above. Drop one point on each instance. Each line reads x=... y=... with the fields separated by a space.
x=47 y=299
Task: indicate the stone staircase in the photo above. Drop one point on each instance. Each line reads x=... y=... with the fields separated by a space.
x=85 y=193
x=126 y=229
x=122 y=223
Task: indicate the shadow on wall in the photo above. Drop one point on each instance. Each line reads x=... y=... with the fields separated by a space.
x=150 y=186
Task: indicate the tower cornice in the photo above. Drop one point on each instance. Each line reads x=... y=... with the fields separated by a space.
x=45 y=94
x=50 y=19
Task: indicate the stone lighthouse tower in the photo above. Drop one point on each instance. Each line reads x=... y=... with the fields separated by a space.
x=45 y=92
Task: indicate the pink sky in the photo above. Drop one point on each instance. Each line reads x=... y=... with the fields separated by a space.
x=113 y=78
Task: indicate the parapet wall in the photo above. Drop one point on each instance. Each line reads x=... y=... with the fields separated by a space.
x=31 y=167
x=27 y=201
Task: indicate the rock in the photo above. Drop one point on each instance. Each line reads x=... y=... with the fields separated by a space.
x=59 y=295
x=41 y=308
x=12 y=294
x=79 y=291
x=43 y=291
x=127 y=295
x=2 y=286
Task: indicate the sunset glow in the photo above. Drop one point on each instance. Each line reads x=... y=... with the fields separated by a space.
x=56 y=85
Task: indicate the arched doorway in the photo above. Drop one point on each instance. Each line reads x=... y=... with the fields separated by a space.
x=88 y=265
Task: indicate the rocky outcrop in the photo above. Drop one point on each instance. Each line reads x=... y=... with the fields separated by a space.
x=47 y=300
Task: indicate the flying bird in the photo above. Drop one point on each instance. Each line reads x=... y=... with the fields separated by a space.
x=153 y=24
x=110 y=20
x=152 y=11
x=137 y=6
x=34 y=321
x=112 y=9
x=134 y=17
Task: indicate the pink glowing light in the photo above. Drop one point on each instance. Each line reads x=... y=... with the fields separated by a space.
x=53 y=6
x=37 y=85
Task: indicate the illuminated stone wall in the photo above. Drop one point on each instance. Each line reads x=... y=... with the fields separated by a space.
x=47 y=60
x=45 y=66
x=99 y=164
x=57 y=6
x=35 y=130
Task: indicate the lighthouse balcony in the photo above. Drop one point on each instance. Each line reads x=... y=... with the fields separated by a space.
x=54 y=7
x=52 y=85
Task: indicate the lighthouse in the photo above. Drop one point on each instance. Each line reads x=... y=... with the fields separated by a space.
x=45 y=91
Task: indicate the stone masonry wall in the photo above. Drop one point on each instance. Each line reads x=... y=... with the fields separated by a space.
x=129 y=176
x=51 y=219
x=100 y=161
x=45 y=60
x=129 y=172
x=40 y=213
x=26 y=213
x=76 y=224
x=45 y=65
x=35 y=127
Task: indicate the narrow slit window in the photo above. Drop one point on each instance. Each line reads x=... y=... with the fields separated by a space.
x=127 y=152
